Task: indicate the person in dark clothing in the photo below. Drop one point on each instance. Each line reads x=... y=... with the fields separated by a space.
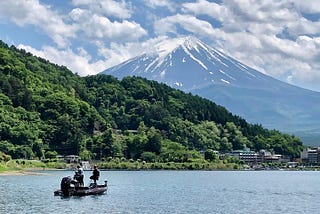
x=95 y=174
x=79 y=175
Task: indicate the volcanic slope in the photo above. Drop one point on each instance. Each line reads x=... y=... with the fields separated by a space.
x=193 y=66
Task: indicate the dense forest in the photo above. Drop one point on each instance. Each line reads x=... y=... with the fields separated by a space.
x=47 y=110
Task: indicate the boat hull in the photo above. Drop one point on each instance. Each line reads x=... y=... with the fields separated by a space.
x=70 y=187
x=82 y=191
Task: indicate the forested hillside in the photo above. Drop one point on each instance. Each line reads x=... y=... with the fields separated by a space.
x=48 y=110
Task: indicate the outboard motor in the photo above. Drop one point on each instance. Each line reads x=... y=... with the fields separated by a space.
x=65 y=185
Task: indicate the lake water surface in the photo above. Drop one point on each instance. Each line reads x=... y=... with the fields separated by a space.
x=168 y=192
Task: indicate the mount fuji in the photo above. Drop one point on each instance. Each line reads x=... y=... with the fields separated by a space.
x=190 y=65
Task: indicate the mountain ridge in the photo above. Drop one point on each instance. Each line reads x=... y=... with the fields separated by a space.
x=213 y=65
x=195 y=67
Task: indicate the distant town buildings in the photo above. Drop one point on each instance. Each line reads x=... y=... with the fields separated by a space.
x=252 y=158
x=69 y=158
x=310 y=155
x=74 y=159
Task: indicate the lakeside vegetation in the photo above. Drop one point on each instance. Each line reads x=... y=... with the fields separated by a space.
x=46 y=110
x=25 y=165
x=22 y=166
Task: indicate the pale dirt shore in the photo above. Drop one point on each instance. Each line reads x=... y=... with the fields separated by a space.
x=22 y=172
x=12 y=173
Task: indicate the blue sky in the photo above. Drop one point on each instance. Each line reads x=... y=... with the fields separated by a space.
x=280 y=38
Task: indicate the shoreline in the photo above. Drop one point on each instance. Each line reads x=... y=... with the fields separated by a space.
x=30 y=171
x=23 y=172
x=39 y=171
x=17 y=170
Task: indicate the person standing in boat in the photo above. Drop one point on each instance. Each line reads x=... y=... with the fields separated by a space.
x=79 y=175
x=95 y=174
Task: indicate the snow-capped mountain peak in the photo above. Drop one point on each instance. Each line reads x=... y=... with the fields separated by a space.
x=193 y=66
x=165 y=47
x=188 y=63
x=186 y=43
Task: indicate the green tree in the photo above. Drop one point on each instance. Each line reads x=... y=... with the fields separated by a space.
x=149 y=157
x=210 y=155
x=154 y=141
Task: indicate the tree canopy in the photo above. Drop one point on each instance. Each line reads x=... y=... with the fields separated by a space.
x=47 y=109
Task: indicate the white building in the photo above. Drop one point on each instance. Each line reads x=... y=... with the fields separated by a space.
x=310 y=155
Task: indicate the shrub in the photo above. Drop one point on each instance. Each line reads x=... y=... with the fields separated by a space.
x=149 y=157
x=51 y=154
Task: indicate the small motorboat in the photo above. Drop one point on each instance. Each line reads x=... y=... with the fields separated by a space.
x=70 y=187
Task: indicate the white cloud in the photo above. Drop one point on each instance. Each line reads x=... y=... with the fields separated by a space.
x=308 y=6
x=120 y=52
x=99 y=27
x=187 y=22
x=203 y=7
x=119 y=9
x=160 y=3
x=77 y=62
x=78 y=14
x=303 y=26
x=261 y=11
x=32 y=12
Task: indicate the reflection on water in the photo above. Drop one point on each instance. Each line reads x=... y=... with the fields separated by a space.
x=168 y=192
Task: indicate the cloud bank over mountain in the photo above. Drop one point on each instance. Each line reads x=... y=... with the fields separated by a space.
x=279 y=38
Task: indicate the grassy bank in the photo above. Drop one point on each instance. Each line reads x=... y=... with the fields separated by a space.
x=21 y=165
x=142 y=165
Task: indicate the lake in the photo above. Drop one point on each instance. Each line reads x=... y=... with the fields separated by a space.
x=168 y=192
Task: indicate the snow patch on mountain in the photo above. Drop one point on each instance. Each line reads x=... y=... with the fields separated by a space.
x=225 y=81
x=194 y=58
